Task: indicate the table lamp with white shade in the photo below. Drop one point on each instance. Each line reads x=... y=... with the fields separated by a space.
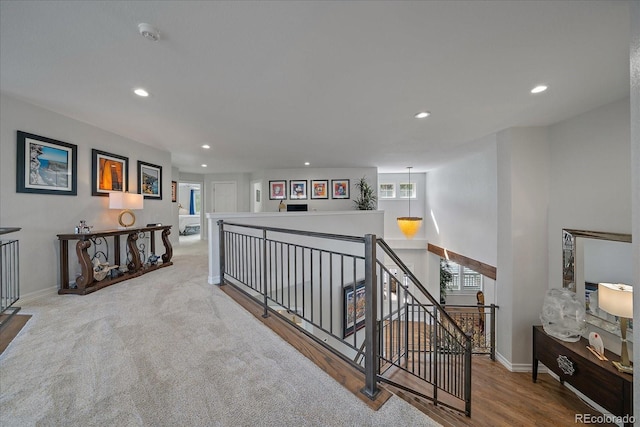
x=617 y=299
x=127 y=202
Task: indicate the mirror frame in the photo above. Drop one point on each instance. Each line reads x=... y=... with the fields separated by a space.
x=568 y=264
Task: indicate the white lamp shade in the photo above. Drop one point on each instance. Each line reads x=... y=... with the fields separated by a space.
x=118 y=200
x=616 y=299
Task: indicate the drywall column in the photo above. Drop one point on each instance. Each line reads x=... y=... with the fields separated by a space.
x=634 y=59
x=523 y=194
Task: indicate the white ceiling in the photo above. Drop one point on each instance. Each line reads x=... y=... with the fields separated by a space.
x=274 y=84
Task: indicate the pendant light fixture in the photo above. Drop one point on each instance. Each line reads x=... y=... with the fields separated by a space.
x=409 y=225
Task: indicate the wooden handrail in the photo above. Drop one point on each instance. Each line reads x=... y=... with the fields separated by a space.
x=482 y=268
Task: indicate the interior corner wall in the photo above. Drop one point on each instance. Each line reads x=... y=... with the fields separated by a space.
x=43 y=216
x=523 y=187
x=634 y=50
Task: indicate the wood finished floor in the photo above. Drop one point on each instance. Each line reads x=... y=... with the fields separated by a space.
x=499 y=397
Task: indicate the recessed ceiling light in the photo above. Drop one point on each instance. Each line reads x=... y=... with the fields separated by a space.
x=307 y=163
x=141 y=92
x=422 y=115
x=203 y=165
x=206 y=146
x=539 y=89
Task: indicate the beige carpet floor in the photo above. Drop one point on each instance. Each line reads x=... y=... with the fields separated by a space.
x=168 y=349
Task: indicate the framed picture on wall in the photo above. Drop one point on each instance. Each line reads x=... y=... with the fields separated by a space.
x=353 y=308
x=320 y=189
x=109 y=173
x=339 y=188
x=174 y=191
x=46 y=166
x=277 y=190
x=298 y=190
x=150 y=180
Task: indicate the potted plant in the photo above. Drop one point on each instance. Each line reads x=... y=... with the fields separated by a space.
x=446 y=277
x=366 y=200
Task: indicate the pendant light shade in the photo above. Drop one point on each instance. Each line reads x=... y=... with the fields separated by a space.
x=409 y=225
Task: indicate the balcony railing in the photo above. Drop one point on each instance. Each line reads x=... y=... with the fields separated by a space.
x=343 y=296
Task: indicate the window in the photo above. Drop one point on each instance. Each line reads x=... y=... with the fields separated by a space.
x=465 y=280
x=387 y=191
x=407 y=190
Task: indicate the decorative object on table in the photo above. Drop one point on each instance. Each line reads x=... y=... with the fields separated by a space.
x=617 y=299
x=83 y=228
x=298 y=189
x=153 y=259
x=150 y=180
x=46 y=166
x=127 y=202
x=282 y=207
x=409 y=225
x=277 y=190
x=339 y=188
x=109 y=173
x=102 y=269
x=174 y=191
x=596 y=345
x=319 y=189
x=366 y=200
x=563 y=316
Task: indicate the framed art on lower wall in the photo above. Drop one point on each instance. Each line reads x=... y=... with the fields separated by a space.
x=319 y=189
x=46 y=166
x=174 y=191
x=339 y=188
x=277 y=190
x=150 y=180
x=109 y=173
x=353 y=308
x=298 y=190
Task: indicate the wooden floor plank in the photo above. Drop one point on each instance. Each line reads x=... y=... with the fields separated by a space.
x=9 y=331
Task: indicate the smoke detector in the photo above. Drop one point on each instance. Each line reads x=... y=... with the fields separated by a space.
x=148 y=32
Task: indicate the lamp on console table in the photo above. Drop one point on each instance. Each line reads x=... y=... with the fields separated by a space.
x=127 y=202
x=617 y=299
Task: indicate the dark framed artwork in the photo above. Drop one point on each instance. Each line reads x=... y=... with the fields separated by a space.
x=353 y=308
x=319 y=189
x=109 y=173
x=150 y=180
x=277 y=190
x=46 y=166
x=339 y=188
x=298 y=189
x=174 y=191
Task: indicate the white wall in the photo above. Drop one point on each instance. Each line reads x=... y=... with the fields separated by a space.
x=523 y=186
x=43 y=216
x=463 y=198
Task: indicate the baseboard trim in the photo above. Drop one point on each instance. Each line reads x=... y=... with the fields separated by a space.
x=214 y=280
x=518 y=367
x=37 y=295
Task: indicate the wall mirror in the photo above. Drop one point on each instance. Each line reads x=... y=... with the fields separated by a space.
x=592 y=257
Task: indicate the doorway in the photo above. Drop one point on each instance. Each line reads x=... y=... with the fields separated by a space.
x=189 y=211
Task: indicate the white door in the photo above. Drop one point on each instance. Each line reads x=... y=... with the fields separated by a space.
x=224 y=197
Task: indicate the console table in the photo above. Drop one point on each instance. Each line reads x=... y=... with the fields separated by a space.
x=596 y=379
x=136 y=260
